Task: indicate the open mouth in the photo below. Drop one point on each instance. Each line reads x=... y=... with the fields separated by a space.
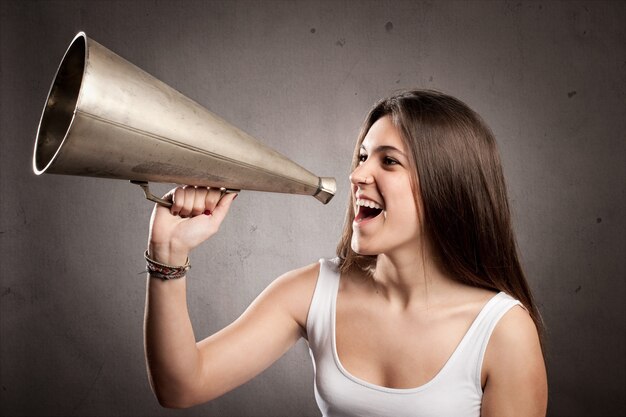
x=366 y=209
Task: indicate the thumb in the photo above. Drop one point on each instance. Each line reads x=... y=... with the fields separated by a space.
x=220 y=211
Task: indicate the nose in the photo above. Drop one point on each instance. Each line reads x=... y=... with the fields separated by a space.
x=361 y=176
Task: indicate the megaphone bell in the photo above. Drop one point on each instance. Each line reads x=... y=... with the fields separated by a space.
x=105 y=117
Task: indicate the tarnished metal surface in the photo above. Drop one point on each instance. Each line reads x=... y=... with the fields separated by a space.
x=107 y=118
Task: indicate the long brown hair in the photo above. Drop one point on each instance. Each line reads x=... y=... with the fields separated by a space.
x=466 y=215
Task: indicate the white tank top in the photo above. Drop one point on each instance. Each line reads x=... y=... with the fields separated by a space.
x=454 y=392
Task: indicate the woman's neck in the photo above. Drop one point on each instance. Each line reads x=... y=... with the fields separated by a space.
x=413 y=279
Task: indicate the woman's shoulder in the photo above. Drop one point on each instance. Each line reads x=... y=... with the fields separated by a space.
x=515 y=331
x=513 y=365
x=294 y=290
x=514 y=346
x=297 y=281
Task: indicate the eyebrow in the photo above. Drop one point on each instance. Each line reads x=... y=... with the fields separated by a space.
x=384 y=148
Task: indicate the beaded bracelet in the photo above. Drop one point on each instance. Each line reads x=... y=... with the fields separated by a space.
x=163 y=271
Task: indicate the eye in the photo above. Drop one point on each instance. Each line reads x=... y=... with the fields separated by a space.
x=389 y=161
x=362 y=157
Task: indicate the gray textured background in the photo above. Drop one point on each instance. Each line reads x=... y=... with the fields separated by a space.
x=549 y=77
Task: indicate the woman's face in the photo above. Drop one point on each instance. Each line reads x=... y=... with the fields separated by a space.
x=386 y=216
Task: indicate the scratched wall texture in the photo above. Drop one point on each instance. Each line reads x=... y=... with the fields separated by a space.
x=549 y=77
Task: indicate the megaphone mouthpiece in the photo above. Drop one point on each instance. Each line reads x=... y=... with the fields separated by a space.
x=326 y=189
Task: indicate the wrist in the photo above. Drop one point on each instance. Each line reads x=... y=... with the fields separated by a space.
x=163 y=271
x=165 y=254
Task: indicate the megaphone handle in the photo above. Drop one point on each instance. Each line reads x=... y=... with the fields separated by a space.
x=167 y=203
x=150 y=196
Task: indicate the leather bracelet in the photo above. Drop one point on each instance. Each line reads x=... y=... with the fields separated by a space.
x=164 y=271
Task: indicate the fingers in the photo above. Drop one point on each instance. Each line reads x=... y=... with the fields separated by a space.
x=198 y=201
x=211 y=200
x=190 y=201
x=178 y=201
x=196 y=215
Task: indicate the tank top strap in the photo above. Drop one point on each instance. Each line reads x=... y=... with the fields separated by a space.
x=319 y=318
x=474 y=348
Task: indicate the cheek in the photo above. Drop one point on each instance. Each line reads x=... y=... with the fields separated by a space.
x=406 y=217
x=399 y=195
x=409 y=214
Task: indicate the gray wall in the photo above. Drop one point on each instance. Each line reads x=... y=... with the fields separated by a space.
x=549 y=77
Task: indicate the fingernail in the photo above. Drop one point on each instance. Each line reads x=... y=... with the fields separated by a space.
x=207 y=212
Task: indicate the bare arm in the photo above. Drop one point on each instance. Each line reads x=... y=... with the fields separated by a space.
x=516 y=382
x=185 y=373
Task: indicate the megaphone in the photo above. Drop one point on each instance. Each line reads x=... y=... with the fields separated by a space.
x=105 y=117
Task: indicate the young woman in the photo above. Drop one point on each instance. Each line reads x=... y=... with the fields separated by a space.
x=424 y=312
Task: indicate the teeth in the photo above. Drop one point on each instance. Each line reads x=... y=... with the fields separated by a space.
x=368 y=203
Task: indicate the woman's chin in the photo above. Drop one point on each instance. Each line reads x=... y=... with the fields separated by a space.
x=363 y=249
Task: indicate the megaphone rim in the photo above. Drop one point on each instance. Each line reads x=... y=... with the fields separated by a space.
x=79 y=39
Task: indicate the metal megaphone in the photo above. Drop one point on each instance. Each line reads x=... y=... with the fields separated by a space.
x=105 y=117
